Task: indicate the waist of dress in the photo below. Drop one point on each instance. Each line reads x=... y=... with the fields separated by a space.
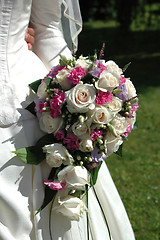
x=15 y=92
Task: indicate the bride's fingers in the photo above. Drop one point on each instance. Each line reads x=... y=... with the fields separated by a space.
x=29 y=46
x=31 y=31
x=29 y=37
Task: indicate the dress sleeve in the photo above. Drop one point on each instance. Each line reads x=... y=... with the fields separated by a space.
x=53 y=30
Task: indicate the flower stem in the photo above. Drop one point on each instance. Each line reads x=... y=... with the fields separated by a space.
x=102 y=212
x=87 y=211
x=50 y=213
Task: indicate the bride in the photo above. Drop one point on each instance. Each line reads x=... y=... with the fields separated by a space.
x=22 y=190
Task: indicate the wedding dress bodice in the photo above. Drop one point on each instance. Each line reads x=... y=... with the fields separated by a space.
x=18 y=65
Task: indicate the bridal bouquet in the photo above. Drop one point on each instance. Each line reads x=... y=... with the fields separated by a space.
x=87 y=108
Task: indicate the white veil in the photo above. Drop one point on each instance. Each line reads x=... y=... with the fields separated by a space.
x=71 y=24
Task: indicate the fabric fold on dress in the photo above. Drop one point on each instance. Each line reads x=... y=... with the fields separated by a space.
x=115 y=213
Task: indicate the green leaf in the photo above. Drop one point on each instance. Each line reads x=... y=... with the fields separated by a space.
x=88 y=78
x=119 y=152
x=64 y=61
x=35 y=85
x=135 y=125
x=93 y=58
x=45 y=140
x=49 y=193
x=126 y=66
x=76 y=193
x=47 y=81
x=30 y=155
x=31 y=108
x=124 y=138
x=94 y=174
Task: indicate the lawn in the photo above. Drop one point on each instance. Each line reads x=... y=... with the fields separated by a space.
x=137 y=173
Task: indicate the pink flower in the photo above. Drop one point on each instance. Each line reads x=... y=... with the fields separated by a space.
x=56 y=112
x=62 y=96
x=55 y=185
x=55 y=108
x=42 y=105
x=103 y=97
x=72 y=142
x=55 y=70
x=60 y=135
x=122 y=80
x=102 y=67
x=133 y=109
x=39 y=105
x=128 y=130
x=58 y=98
x=96 y=134
x=55 y=104
x=94 y=165
x=76 y=74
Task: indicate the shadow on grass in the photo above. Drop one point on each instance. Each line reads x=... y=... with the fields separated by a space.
x=141 y=48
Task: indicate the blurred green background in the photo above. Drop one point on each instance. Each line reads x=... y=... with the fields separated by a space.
x=131 y=32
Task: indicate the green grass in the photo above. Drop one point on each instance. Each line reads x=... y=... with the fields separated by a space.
x=137 y=173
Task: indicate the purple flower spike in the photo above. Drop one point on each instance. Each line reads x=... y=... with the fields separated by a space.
x=97 y=157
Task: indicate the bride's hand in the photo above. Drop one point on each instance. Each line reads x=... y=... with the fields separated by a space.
x=29 y=37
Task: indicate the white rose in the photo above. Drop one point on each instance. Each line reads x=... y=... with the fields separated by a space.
x=131 y=91
x=101 y=115
x=41 y=92
x=75 y=177
x=56 y=154
x=62 y=79
x=119 y=124
x=132 y=119
x=80 y=98
x=115 y=106
x=112 y=143
x=71 y=207
x=114 y=69
x=79 y=128
x=49 y=124
x=86 y=145
x=83 y=62
x=106 y=82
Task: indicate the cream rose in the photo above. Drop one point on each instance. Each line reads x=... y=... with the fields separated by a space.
x=62 y=79
x=75 y=177
x=115 y=106
x=86 y=145
x=106 y=82
x=119 y=124
x=79 y=129
x=101 y=115
x=81 y=98
x=41 y=92
x=83 y=62
x=131 y=91
x=71 y=207
x=114 y=69
x=112 y=143
x=56 y=154
x=49 y=124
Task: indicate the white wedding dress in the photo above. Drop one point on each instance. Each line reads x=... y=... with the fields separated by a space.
x=21 y=186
